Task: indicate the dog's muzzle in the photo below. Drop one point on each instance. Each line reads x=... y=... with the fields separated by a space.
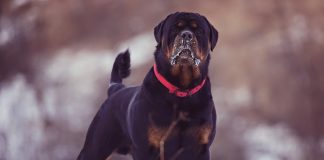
x=184 y=51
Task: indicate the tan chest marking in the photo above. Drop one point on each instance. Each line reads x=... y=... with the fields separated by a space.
x=158 y=135
x=202 y=133
x=155 y=135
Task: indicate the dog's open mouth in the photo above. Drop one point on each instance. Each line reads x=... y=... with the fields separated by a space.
x=184 y=54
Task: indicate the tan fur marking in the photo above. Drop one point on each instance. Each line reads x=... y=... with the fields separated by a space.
x=175 y=70
x=184 y=73
x=202 y=133
x=180 y=24
x=201 y=55
x=186 y=76
x=169 y=50
x=168 y=54
x=196 y=72
x=155 y=135
x=194 y=24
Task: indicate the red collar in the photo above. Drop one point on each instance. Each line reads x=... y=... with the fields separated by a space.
x=174 y=89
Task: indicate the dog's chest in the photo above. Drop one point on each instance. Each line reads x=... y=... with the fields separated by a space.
x=182 y=131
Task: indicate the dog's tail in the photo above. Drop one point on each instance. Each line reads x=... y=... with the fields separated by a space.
x=120 y=70
x=121 y=67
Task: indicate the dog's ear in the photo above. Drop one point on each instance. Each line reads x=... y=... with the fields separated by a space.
x=213 y=35
x=158 y=32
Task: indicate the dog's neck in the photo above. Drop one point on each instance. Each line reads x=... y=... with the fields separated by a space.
x=174 y=89
x=185 y=74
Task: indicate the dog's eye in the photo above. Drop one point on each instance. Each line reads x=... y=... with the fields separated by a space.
x=194 y=25
x=180 y=24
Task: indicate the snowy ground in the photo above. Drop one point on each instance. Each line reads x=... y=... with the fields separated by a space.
x=272 y=143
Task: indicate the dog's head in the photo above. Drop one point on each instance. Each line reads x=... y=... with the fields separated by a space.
x=185 y=41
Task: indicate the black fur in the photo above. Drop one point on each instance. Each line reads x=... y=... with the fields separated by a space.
x=132 y=118
x=121 y=67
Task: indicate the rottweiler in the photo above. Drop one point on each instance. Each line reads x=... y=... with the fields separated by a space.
x=171 y=116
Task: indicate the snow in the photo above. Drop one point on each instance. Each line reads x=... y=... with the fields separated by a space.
x=239 y=96
x=18 y=3
x=322 y=145
x=272 y=143
x=6 y=31
x=141 y=48
x=20 y=119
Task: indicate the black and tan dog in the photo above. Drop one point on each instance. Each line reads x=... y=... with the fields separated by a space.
x=171 y=116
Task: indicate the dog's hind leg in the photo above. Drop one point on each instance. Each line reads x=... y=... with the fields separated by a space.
x=104 y=135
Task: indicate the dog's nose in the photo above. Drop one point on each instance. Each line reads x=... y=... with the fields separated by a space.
x=187 y=35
